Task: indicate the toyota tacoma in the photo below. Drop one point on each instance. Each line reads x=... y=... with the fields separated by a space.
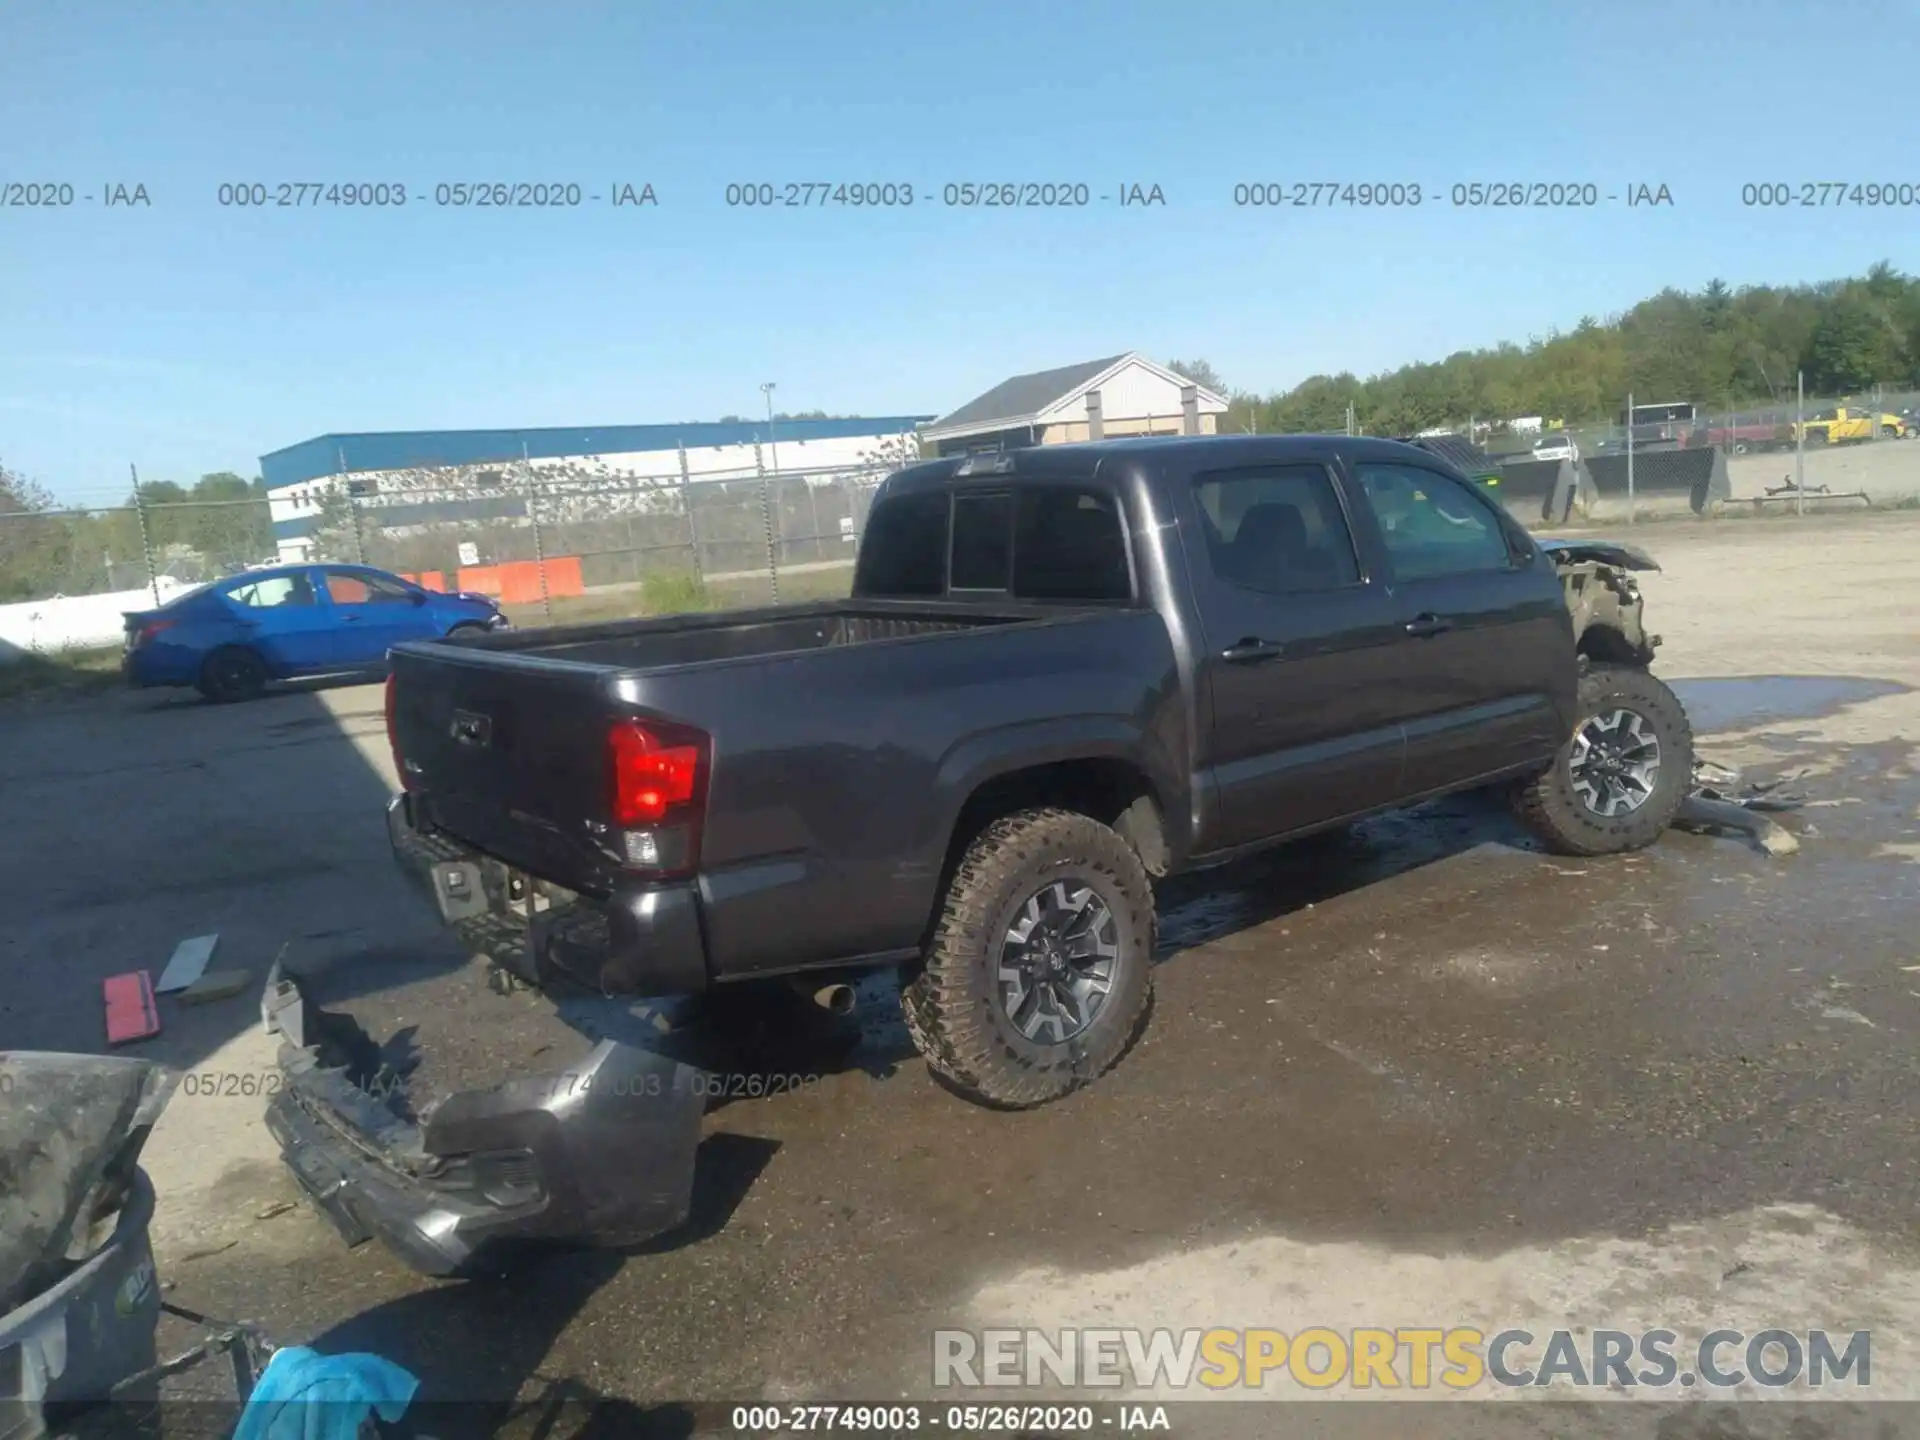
x=1062 y=673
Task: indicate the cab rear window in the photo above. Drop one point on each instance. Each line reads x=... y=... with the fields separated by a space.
x=1053 y=543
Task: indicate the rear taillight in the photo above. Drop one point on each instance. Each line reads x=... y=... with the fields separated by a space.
x=658 y=777
x=152 y=628
x=393 y=735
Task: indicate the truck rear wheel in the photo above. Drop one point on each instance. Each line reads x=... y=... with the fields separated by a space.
x=1040 y=970
x=1620 y=778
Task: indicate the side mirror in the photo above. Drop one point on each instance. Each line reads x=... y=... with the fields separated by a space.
x=420 y=597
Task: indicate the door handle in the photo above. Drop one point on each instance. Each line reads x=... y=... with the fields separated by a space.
x=1250 y=651
x=1425 y=625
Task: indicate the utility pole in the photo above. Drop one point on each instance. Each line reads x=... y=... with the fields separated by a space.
x=1629 y=457
x=533 y=519
x=146 y=539
x=773 y=449
x=1800 y=442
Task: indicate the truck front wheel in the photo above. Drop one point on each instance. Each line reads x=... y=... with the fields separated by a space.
x=1619 y=779
x=1040 y=970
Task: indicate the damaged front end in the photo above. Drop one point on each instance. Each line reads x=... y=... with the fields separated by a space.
x=1608 y=610
x=602 y=1154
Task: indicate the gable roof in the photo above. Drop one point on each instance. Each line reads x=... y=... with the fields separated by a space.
x=1021 y=398
x=1025 y=399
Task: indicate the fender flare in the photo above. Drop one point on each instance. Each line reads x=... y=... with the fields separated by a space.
x=1005 y=750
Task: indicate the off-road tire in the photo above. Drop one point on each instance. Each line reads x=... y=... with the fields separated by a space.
x=952 y=1000
x=1551 y=808
x=232 y=673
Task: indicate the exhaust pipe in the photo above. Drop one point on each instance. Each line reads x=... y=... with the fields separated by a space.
x=836 y=998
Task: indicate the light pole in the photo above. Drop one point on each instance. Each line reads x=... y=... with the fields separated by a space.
x=772 y=448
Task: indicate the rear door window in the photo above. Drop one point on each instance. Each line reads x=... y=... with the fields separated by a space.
x=273 y=592
x=1277 y=529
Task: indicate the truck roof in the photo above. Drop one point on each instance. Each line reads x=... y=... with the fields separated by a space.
x=1080 y=458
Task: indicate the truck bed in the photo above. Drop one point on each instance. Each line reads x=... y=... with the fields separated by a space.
x=843 y=735
x=695 y=639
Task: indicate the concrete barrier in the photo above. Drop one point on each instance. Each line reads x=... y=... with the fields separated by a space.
x=1527 y=485
x=1663 y=480
x=75 y=622
x=1549 y=490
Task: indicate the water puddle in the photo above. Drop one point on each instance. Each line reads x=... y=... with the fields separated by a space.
x=1742 y=701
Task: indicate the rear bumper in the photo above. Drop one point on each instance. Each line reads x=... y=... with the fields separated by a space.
x=643 y=940
x=141 y=670
x=600 y=1155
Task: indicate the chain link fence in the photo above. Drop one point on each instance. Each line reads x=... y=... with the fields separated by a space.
x=557 y=541
x=1653 y=456
x=551 y=542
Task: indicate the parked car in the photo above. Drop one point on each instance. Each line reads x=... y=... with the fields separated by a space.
x=1063 y=673
x=1843 y=426
x=232 y=638
x=1555 y=447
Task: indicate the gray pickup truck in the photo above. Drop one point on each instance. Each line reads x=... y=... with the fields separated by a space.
x=1063 y=673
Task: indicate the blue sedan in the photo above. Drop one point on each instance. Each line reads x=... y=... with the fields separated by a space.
x=231 y=638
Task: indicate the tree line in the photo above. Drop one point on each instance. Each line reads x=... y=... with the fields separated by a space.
x=220 y=522
x=1718 y=347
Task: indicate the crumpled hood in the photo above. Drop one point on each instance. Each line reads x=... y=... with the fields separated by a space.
x=1604 y=552
x=71 y=1131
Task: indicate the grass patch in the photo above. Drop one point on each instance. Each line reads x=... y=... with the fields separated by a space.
x=674 y=592
x=60 y=672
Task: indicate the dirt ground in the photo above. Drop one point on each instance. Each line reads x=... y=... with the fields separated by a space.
x=1419 y=1075
x=1886 y=470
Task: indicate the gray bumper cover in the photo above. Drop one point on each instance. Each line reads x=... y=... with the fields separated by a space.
x=602 y=1154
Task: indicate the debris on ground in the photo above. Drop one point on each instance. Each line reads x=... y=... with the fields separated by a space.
x=131 y=1014
x=1713 y=806
x=189 y=962
x=304 y=1393
x=217 y=985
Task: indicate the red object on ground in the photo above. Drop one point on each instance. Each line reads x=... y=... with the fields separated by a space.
x=131 y=1013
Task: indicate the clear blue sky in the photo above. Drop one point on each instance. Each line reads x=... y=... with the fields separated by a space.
x=189 y=338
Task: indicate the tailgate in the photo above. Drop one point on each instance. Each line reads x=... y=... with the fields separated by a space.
x=509 y=754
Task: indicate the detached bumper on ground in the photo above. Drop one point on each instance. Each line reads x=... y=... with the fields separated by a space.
x=602 y=1154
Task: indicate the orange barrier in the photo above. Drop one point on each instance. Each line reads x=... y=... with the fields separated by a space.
x=563 y=576
x=517 y=582
x=431 y=580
